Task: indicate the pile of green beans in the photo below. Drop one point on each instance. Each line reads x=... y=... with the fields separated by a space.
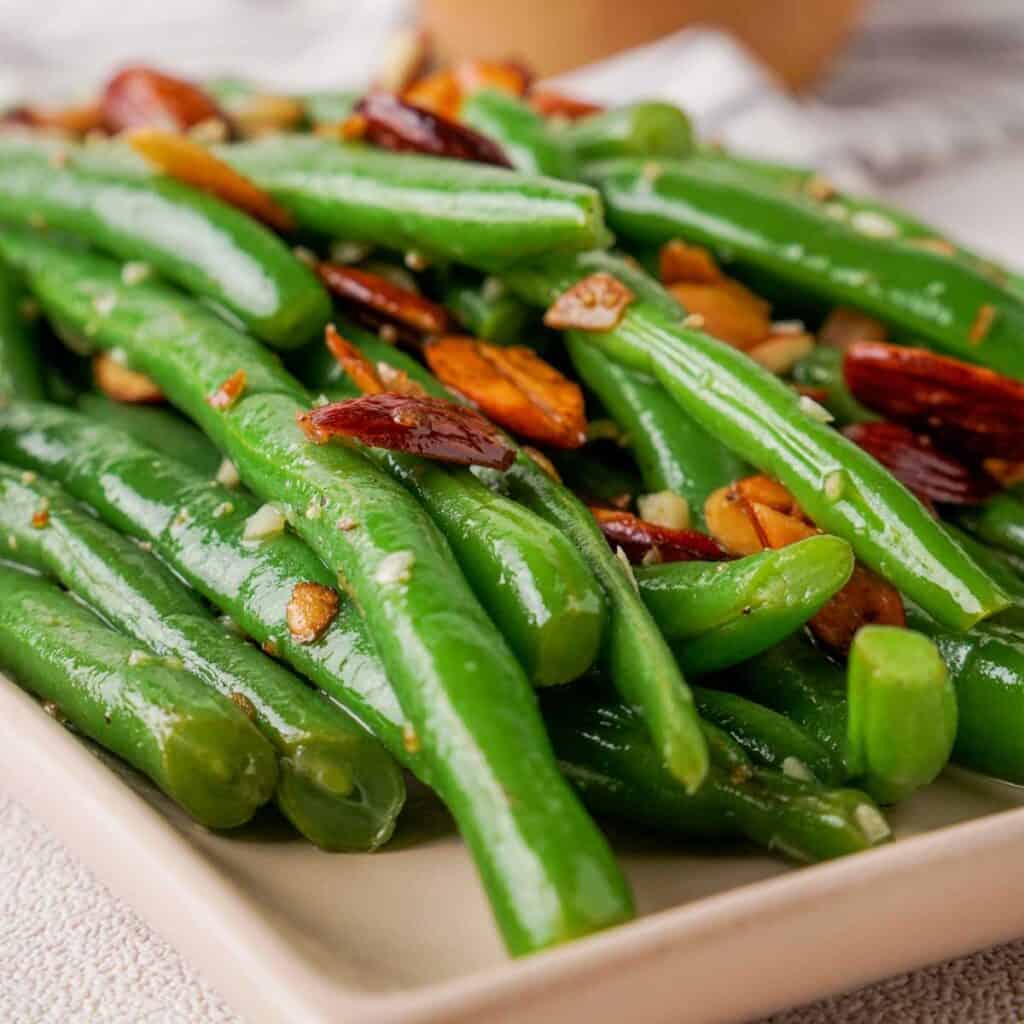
x=335 y=784
x=481 y=633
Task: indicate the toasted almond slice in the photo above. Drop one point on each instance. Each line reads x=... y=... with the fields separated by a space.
x=121 y=384
x=729 y=521
x=730 y=311
x=844 y=325
x=594 y=304
x=310 y=611
x=361 y=371
x=679 y=263
x=780 y=353
x=181 y=158
x=514 y=387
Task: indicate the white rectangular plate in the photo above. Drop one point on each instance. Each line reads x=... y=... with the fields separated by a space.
x=288 y=933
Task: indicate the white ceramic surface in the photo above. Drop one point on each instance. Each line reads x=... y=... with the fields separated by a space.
x=291 y=934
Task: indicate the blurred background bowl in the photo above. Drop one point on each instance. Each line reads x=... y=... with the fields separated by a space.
x=794 y=38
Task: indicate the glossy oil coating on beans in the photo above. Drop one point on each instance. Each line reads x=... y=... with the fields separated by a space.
x=161 y=429
x=335 y=783
x=465 y=698
x=943 y=304
x=525 y=572
x=719 y=613
x=447 y=209
x=210 y=249
x=841 y=488
x=196 y=746
x=21 y=374
x=603 y=748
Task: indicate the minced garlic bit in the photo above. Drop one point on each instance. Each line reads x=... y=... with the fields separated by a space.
x=135 y=272
x=266 y=521
x=694 y=321
x=492 y=289
x=395 y=568
x=651 y=171
x=620 y=554
x=871 y=822
x=315 y=508
x=817 y=412
x=874 y=224
x=349 y=252
x=834 y=483
x=416 y=261
x=320 y=401
x=105 y=303
x=787 y=327
x=225 y=508
x=652 y=556
x=182 y=517
x=346 y=523
x=410 y=741
x=12 y=542
x=388 y=333
x=28 y=477
x=664 y=508
x=796 y=769
x=304 y=255
x=227 y=474
x=144 y=545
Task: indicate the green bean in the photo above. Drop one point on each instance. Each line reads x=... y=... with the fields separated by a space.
x=942 y=304
x=465 y=698
x=1000 y=522
x=986 y=665
x=769 y=738
x=891 y=718
x=443 y=209
x=488 y=310
x=21 y=374
x=823 y=369
x=716 y=614
x=635 y=655
x=524 y=571
x=197 y=747
x=159 y=428
x=602 y=747
x=672 y=452
x=194 y=239
x=523 y=134
x=841 y=488
x=645 y=129
x=336 y=784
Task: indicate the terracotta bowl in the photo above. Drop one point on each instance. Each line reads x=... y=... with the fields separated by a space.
x=794 y=38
